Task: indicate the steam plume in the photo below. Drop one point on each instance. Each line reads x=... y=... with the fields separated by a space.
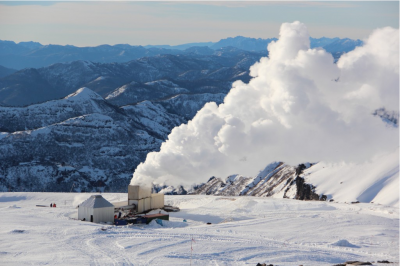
x=299 y=106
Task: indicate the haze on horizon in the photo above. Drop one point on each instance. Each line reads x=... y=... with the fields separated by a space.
x=159 y=23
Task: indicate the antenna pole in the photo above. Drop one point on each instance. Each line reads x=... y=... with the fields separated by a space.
x=191 y=250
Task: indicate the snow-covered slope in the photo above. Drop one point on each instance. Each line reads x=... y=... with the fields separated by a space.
x=375 y=181
x=153 y=118
x=81 y=142
x=83 y=101
x=136 y=92
x=93 y=151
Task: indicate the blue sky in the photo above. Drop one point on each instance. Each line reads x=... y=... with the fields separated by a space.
x=142 y=23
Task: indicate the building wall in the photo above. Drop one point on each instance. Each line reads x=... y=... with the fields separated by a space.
x=142 y=204
x=84 y=212
x=157 y=201
x=143 y=198
x=103 y=215
x=99 y=214
x=137 y=192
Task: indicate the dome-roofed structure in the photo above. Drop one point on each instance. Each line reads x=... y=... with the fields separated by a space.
x=96 y=209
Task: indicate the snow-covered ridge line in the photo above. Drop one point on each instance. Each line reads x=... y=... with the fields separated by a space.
x=83 y=101
x=376 y=181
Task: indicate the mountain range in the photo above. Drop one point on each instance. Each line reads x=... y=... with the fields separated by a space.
x=189 y=73
x=310 y=181
x=35 y=55
x=85 y=125
x=84 y=141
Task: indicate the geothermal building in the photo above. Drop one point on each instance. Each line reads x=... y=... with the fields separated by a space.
x=96 y=209
x=140 y=199
x=143 y=199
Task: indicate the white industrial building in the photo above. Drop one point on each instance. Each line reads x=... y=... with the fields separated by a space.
x=143 y=199
x=140 y=199
x=96 y=209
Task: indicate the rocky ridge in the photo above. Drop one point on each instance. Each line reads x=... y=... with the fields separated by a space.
x=277 y=180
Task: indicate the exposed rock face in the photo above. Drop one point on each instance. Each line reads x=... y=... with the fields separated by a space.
x=169 y=190
x=304 y=191
x=276 y=180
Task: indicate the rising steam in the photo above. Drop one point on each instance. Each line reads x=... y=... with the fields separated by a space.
x=299 y=106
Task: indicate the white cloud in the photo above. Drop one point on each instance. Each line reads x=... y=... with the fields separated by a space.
x=293 y=110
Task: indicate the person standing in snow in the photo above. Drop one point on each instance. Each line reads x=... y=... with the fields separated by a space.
x=51 y=205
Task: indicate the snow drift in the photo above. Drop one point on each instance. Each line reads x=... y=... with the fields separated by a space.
x=299 y=106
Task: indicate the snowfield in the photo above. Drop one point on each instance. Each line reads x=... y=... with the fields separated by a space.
x=244 y=231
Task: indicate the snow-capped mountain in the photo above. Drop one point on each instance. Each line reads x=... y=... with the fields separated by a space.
x=82 y=102
x=374 y=181
x=84 y=143
x=80 y=141
x=93 y=123
x=342 y=45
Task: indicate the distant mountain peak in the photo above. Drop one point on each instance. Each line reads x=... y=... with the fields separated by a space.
x=84 y=93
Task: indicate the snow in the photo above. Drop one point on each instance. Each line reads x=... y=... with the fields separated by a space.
x=344 y=243
x=85 y=93
x=244 y=231
x=100 y=78
x=374 y=181
x=117 y=92
x=3 y=135
x=70 y=145
x=66 y=168
x=157 y=212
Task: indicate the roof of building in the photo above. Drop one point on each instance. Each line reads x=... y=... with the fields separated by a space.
x=96 y=201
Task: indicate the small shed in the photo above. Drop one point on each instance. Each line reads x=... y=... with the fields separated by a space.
x=96 y=209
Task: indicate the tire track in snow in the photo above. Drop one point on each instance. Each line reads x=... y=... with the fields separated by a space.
x=256 y=241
